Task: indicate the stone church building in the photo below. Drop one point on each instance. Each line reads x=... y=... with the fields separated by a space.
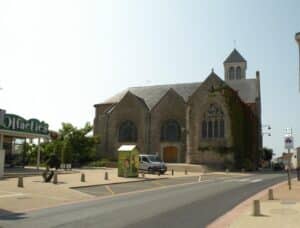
x=210 y=122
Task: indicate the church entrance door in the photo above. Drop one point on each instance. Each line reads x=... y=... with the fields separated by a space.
x=170 y=154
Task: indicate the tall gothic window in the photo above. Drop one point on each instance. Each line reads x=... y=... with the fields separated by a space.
x=222 y=132
x=238 y=73
x=170 y=131
x=204 y=129
x=231 y=73
x=216 y=129
x=127 y=132
x=210 y=129
x=213 y=123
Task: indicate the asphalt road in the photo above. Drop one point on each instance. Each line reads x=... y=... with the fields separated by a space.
x=190 y=204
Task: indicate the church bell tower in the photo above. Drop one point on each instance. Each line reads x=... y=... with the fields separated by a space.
x=235 y=66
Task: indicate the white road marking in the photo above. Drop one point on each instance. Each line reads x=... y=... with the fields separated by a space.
x=11 y=195
x=237 y=180
x=9 y=192
x=243 y=180
x=256 y=180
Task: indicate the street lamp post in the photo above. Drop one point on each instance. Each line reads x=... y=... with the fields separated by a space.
x=297 y=38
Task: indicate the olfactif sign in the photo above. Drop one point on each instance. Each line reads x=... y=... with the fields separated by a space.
x=16 y=123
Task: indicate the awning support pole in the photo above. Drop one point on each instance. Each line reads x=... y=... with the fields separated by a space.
x=2 y=156
x=38 y=155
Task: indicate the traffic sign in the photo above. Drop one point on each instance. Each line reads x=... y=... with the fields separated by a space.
x=289 y=142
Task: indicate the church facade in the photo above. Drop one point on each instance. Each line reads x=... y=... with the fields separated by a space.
x=213 y=122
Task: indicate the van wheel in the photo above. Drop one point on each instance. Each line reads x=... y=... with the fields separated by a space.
x=150 y=170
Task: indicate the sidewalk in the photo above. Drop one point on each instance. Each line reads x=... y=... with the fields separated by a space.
x=37 y=194
x=284 y=211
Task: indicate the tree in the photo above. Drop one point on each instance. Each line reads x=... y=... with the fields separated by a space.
x=74 y=145
x=267 y=154
x=29 y=153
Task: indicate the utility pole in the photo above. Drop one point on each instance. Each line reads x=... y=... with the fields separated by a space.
x=297 y=38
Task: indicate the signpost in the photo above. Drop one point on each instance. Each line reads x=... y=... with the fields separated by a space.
x=289 y=144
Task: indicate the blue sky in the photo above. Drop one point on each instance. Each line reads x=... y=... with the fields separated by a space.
x=58 y=58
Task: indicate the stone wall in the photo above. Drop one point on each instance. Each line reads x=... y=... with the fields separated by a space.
x=199 y=103
x=170 y=107
x=129 y=108
x=100 y=128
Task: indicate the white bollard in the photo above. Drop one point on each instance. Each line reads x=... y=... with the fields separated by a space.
x=199 y=179
x=227 y=171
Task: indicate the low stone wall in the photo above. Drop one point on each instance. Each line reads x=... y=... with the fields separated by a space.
x=181 y=167
x=210 y=157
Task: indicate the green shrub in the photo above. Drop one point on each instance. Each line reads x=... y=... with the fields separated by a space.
x=103 y=163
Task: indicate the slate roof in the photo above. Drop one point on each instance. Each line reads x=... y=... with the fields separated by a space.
x=247 y=90
x=152 y=94
x=235 y=57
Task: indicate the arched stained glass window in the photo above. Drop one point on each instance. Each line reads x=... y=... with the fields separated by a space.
x=216 y=128
x=222 y=131
x=204 y=129
x=127 y=132
x=170 y=131
x=213 y=123
x=210 y=129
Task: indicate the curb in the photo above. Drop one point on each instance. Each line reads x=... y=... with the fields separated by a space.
x=227 y=219
x=115 y=183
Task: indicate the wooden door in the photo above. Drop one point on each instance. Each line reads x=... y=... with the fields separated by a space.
x=170 y=154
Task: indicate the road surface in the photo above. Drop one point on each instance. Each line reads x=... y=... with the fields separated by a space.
x=191 y=204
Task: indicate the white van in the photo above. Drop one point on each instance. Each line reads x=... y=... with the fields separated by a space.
x=152 y=163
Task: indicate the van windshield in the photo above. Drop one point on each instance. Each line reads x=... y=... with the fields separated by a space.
x=154 y=158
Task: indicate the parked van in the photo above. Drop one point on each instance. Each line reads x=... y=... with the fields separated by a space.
x=152 y=163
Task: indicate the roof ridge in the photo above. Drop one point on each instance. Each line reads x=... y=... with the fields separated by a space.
x=158 y=85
